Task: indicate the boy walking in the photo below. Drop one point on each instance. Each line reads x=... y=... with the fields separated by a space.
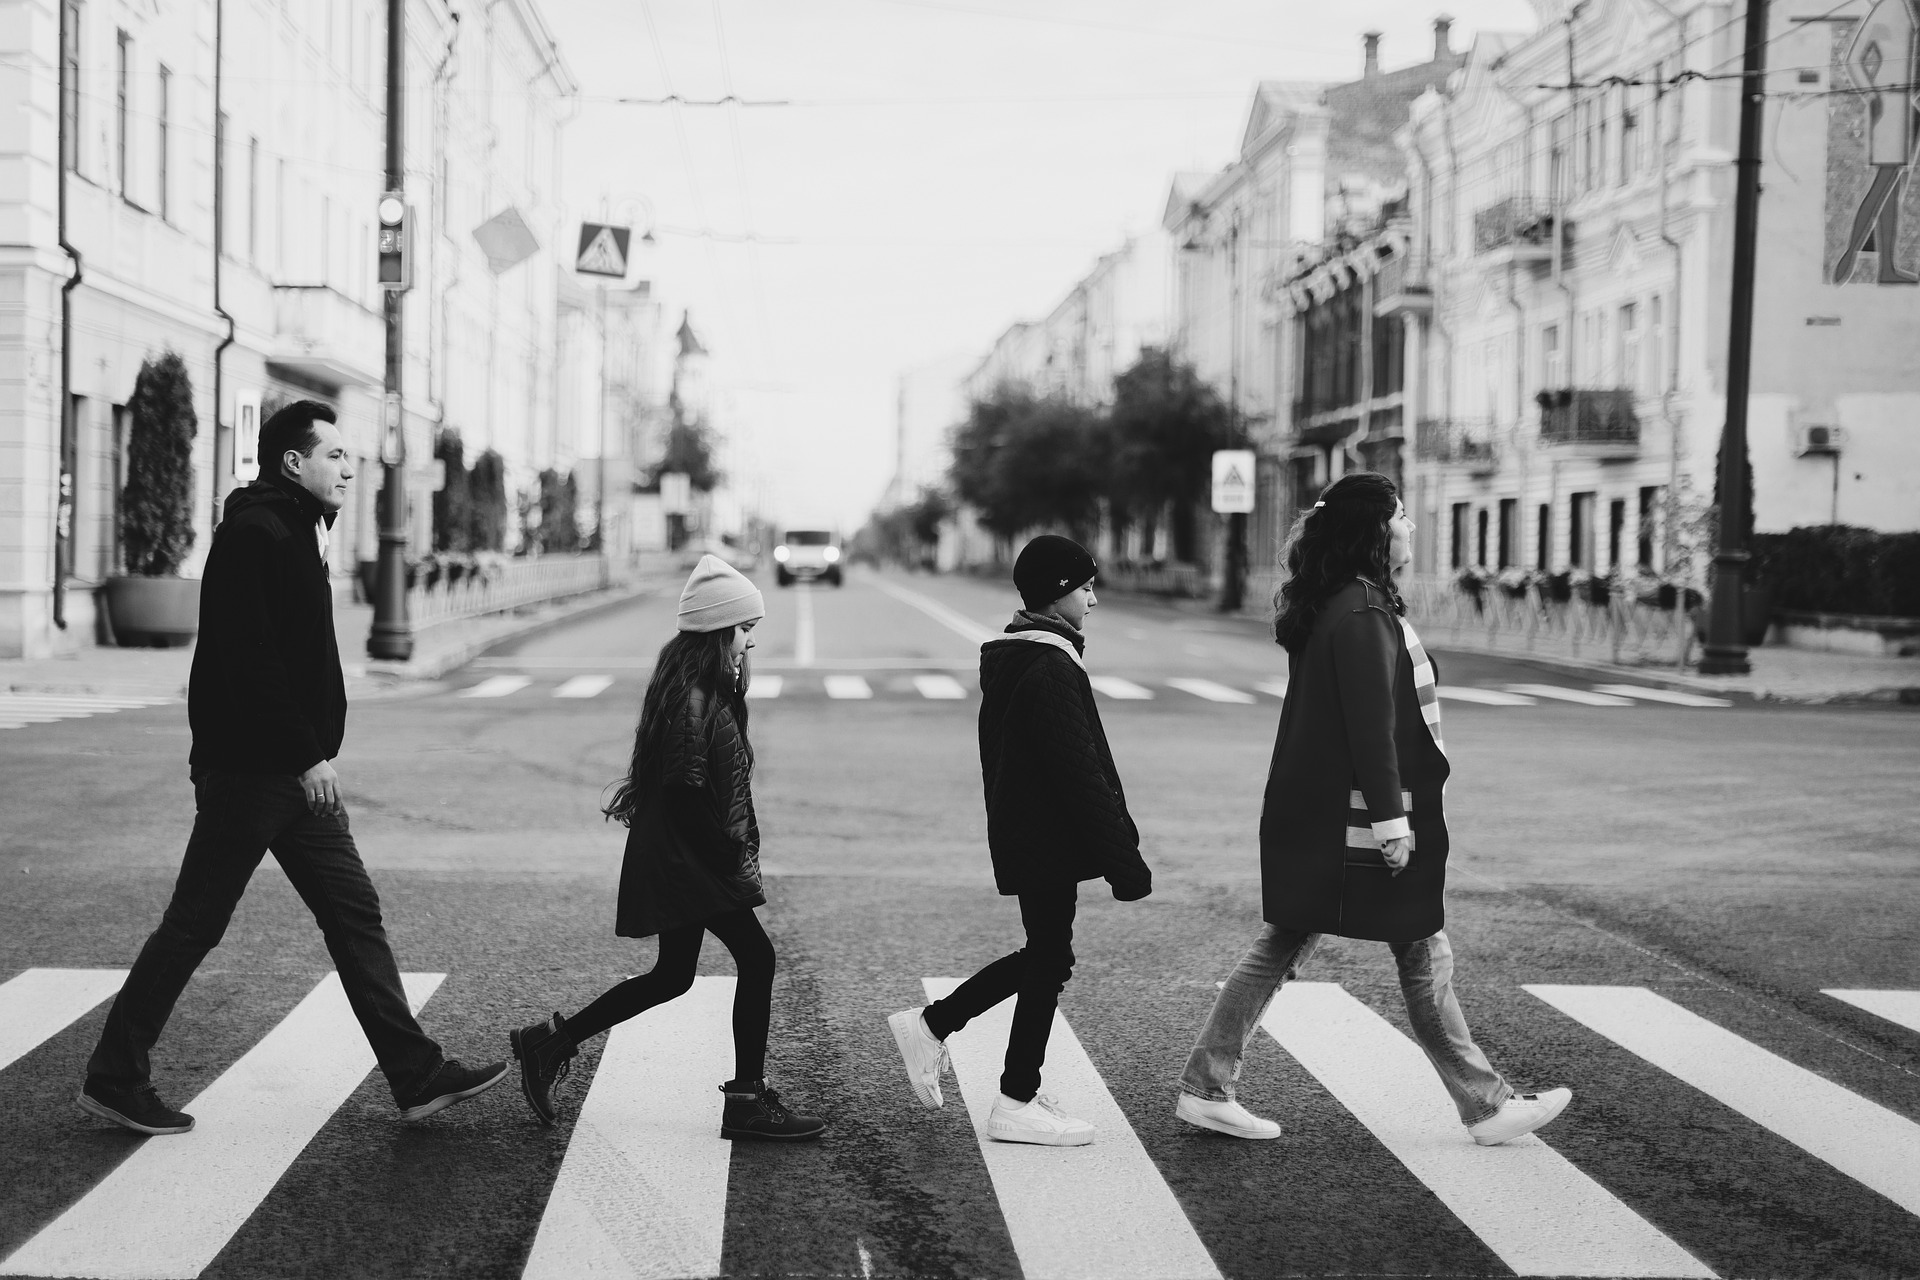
x=1056 y=815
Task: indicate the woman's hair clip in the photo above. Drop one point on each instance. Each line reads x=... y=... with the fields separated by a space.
x=1318 y=505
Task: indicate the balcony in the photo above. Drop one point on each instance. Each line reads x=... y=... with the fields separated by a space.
x=1401 y=288
x=1594 y=422
x=1517 y=229
x=326 y=336
x=1456 y=442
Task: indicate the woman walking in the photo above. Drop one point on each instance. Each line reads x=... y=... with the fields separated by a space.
x=1353 y=836
x=693 y=857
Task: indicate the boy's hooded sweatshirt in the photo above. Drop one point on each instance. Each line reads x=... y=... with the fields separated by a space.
x=1056 y=813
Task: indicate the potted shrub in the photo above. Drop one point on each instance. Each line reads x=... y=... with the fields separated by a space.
x=151 y=604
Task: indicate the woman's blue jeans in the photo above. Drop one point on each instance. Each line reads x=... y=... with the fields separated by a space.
x=1426 y=983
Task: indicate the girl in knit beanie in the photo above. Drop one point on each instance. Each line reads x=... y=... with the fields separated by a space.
x=693 y=857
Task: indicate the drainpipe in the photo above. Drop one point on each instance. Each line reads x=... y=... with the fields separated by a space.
x=1670 y=387
x=69 y=429
x=219 y=248
x=436 y=367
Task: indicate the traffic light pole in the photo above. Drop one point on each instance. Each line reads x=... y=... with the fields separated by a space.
x=392 y=634
x=1726 y=650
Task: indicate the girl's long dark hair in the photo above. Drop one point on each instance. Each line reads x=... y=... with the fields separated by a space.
x=1345 y=537
x=691 y=659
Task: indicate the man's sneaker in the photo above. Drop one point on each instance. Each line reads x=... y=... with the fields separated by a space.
x=453 y=1082
x=545 y=1054
x=1041 y=1122
x=754 y=1113
x=1522 y=1113
x=139 y=1109
x=1224 y=1117
x=924 y=1054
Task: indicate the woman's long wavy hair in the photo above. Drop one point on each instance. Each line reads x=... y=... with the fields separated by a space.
x=691 y=659
x=1344 y=536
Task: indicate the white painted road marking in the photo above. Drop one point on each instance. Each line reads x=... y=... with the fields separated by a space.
x=1094 y=1212
x=1124 y=690
x=41 y=1003
x=1211 y=691
x=958 y=623
x=939 y=688
x=1673 y=696
x=803 y=626
x=175 y=1202
x=1559 y=694
x=1275 y=688
x=584 y=687
x=765 y=687
x=1539 y=1213
x=1901 y=1008
x=1485 y=697
x=848 y=687
x=643 y=1188
x=496 y=687
x=1862 y=1139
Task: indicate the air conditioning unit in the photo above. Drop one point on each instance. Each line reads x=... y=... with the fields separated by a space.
x=1814 y=439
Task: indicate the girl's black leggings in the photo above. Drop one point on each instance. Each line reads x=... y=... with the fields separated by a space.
x=672 y=975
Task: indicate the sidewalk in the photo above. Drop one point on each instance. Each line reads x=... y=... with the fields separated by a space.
x=437 y=650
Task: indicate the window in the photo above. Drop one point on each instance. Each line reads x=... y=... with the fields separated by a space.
x=1553 y=361
x=120 y=89
x=280 y=217
x=1616 y=528
x=70 y=95
x=1480 y=520
x=1656 y=346
x=1559 y=175
x=160 y=109
x=1509 y=516
x=1649 y=506
x=1543 y=532
x=1601 y=122
x=1457 y=536
x=326 y=240
x=253 y=200
x=1629 y=143
x=1627 y=348
x=1588 y=155
x=1580 y=531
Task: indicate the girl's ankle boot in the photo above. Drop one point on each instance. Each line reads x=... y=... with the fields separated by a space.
x=755 y=1112
x=545 y=1052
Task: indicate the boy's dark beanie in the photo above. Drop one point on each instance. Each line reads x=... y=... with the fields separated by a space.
x=1049 y=567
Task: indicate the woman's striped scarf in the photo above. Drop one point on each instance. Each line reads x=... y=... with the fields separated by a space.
x=1423 y=684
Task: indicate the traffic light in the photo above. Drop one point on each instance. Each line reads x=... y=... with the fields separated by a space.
x=396 y=242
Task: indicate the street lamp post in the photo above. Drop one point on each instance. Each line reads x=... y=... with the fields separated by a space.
x=392 y=634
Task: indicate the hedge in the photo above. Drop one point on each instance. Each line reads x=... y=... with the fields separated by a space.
x=1840 y=569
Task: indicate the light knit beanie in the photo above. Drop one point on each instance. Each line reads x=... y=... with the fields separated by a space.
x=717 y=595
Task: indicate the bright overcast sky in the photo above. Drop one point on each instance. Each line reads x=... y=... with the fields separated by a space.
x=945 y=168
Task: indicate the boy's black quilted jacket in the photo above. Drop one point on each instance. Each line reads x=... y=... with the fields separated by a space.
x=693 y=847
x=1056 y=813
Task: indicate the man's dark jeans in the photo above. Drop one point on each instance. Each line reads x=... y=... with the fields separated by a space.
x=238 y=818
x=1036 y=973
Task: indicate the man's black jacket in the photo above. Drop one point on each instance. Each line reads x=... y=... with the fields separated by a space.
x=1056 y=814
x=266 y=694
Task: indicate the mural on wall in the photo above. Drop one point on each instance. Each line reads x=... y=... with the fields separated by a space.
x=1873 y=141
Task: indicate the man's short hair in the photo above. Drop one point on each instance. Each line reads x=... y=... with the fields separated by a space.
x=291 y=427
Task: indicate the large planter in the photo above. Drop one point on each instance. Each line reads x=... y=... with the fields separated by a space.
x=161 y=613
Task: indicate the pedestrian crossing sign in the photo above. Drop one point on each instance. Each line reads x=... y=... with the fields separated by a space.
x=603 y=250
x=1233 y=481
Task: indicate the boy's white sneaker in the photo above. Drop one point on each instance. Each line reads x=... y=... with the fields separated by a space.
x=1227 y=1117
x=924 y=1054
x=1522 y=1113
x=1041 y=1122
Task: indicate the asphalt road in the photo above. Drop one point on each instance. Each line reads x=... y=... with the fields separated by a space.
x=1648 y=904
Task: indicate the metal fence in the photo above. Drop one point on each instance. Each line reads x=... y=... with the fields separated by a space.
x=1631 y=621
x=505 y=585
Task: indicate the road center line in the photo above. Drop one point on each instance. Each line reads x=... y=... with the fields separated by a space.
x=1094 y=1212
x=41 y=1003
x=1211 y=690
x=583 y=687
x=1533 y=1208
x=958 y=623
x=643 y=1188
x=495 y=687
x=803 y=627
x=176 y=1201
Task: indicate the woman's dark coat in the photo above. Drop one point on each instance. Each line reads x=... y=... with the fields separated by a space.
x=693 y=847
x=1352 y=723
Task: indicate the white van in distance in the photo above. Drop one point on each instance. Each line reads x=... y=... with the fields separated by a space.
x=802 y=555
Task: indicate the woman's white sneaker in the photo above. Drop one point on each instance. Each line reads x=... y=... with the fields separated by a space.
x=1522 y=1113
x=923 y=1053
x=1225 y=1116
x=1041 y=1122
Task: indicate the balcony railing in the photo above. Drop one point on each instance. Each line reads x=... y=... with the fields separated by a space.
x=1589 y=416
x=326 y=334
x=1518 y=222
x=1401 y=285
x=1454 y=440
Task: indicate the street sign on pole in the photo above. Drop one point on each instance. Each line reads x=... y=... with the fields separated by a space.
x=246 y=436
x=1233 y=481
x=603 y=250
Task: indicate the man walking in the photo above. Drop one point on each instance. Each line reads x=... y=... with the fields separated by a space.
x=268 y=706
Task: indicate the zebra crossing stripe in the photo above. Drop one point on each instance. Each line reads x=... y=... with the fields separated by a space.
x=940 y=688
x=1864 y=1140
x=1485 y=697
x=843 y=687
x=1211 y=691
x=175 y=1202
x=496 y=687
x=1558 y=694
x=1121 y=690
x=1672 y=696
x=583 y=687
x=41 y=1003
x=1901 y=1008
x=1093 y=1212
x=643 y=1188
x=1525 y=1201
x=765 y=687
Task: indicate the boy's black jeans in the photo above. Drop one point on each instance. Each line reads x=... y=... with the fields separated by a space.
x=238 y=818
x=1036 y=974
